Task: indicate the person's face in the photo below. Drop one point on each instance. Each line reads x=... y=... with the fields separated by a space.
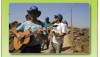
x=47 y=20
x=28 y=18
x=33 y=15
x=56 y=20
x=16 y=24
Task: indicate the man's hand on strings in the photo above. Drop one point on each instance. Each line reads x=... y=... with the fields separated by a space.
x=40 y=32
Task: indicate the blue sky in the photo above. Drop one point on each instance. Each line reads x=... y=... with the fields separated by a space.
x=80 y=12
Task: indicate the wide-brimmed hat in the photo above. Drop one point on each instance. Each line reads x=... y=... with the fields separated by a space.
x=34 y=10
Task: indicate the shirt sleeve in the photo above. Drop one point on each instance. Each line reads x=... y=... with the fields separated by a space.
x=21 y=27
x=64 y=28
x=43 y=24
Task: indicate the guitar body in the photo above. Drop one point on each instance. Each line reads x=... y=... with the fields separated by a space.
x=18 y=43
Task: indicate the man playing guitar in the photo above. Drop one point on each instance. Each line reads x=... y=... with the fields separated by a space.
x=34 y=45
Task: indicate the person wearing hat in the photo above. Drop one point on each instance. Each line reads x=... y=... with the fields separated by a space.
x=58 y=34
x=46 y=32
x=47 y=22
x=34 y=45
x=27 y=17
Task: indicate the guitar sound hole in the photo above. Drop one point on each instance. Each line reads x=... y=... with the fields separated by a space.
x=22 y=40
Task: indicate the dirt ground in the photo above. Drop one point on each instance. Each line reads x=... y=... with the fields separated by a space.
x=69 y=48
x=66 y=46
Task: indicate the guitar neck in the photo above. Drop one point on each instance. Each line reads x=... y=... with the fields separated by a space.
x=32 y=33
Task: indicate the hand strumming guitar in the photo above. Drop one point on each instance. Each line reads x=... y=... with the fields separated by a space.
x=40 y=33
x=16 y=34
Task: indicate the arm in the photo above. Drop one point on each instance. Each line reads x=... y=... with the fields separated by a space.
x=50 y=35
x=60 y=35
x=15 y=32
x=20 y=28
x=63 y=31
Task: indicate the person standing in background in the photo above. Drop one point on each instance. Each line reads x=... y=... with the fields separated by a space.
x=46 y=31
x=27 y=17
x=47 y=22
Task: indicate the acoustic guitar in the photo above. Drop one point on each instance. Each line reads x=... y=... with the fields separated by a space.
x=23 y=38
x=20 y=39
